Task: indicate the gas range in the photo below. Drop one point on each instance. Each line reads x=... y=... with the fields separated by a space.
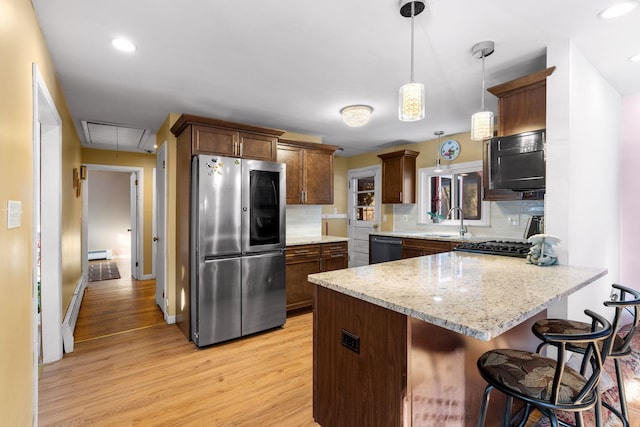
x=496 y=247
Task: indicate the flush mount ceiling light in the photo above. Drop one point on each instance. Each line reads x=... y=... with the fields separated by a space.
x=618 y=9
x=482 y=121
x=123 y=45
x=635 y=58
x=412 y=99
x=438 y=168
x=356 y=115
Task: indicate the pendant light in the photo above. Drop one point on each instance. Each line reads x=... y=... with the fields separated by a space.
x=482 y=121
x=411 y=95
x=438 y=166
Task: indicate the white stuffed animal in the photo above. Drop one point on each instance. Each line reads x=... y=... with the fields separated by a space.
x=541 y=251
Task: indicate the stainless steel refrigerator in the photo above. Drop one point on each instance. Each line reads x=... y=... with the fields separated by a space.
x=237 y=244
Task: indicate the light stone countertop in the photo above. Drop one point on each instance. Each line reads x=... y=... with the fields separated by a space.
x=477 y=295
x=309 y=240
x=443 y=236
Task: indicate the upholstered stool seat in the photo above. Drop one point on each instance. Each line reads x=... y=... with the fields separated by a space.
x=627 y=301
x=549 y=384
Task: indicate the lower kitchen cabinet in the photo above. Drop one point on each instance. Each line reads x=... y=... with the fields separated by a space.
x=421 y=247
x=302 y=260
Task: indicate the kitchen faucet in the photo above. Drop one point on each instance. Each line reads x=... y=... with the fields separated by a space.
x=463 y=229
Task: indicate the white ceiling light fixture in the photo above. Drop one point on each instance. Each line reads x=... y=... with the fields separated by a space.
x=438 y=168
x=356 y=115
x=123 y=45
x=618 y=9
x=635 y=58
x=412 y=98
x=482 y=121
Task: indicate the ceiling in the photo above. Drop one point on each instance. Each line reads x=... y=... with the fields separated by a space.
x=293 y=64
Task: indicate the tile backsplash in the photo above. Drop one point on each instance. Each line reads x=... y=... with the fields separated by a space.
x=405 y=219
x=304 y=220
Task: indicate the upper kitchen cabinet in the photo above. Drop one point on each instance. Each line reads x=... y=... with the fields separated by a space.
x=309 y=171
x=399 y=176
x=522 y=103
x=522 y=107
x=211 y=136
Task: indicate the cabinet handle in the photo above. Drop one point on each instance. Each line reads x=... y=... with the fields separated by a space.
x=334 y=247
x=301 y=251
x=337 y=256
x=401 y=196
x=240 y=149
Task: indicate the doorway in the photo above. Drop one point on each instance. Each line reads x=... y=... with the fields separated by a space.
x=364 y=211
x=47 y=241
x=123 y=238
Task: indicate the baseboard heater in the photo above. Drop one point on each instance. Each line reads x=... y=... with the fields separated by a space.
x=100 y=254
x=70 y=319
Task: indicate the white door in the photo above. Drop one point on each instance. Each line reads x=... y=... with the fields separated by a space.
x=134 y=225
x=160 y=241
x=364 y=211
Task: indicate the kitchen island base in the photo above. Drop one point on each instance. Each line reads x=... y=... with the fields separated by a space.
x=405 y=371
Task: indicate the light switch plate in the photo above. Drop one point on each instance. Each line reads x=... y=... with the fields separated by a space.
x=14 y=214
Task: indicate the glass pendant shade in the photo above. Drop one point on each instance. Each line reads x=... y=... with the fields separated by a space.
x=412 y=100
x=482 y=126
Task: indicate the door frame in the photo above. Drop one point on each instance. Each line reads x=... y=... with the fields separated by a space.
x=353 y=174
x=137 y=253
x=47 y=144
x=159 y=257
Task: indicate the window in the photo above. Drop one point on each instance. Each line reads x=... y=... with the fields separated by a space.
x=458 y=186
x=365 y=199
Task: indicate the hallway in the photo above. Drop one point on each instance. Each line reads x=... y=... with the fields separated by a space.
x=115 y=306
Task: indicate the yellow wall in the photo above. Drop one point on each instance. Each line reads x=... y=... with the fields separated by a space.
x=469 y=151
x=22 y=45
x=138 y=160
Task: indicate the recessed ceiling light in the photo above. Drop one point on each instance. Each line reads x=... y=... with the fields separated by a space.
x=618 y=9
x=123 y=45
x=635 y=58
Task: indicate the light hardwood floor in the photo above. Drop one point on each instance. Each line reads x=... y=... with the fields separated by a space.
x=152 y=376
x=129 y=368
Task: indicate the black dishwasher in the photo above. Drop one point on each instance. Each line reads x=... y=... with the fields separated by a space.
x=384 y=248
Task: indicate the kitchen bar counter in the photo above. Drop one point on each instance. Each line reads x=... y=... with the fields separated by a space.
x=447 y=237
x=441 y=289
x=396 y=343
x=310 y=240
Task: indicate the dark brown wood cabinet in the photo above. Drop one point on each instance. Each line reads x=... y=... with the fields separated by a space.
x=421 y=247
x=212 y=136
x=399 y=176
x=203 y=135
x=522 y=107
x=309 y=171
x=302 y=260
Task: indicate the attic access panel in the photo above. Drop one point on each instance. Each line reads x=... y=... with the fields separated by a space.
x=114 y=136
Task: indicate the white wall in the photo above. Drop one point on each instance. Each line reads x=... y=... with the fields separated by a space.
x=109 y=212
x=582 y=194
x=629 y=193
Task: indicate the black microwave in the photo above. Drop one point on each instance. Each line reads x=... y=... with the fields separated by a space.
x=517 y=162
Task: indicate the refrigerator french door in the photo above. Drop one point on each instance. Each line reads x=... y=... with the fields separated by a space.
x=238 y=240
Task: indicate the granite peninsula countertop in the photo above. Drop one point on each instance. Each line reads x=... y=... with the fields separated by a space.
x=477 y=295
x=309 y=240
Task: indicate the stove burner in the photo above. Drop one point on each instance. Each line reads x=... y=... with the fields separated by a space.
x=496 y=247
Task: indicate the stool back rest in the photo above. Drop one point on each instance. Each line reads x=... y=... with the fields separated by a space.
x=597 y=345
x=629 y=300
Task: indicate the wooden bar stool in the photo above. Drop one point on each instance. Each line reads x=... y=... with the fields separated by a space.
x=628 y=301
x=548 y=384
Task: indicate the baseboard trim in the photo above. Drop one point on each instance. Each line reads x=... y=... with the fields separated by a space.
x=71 y=317
x=170 y=319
